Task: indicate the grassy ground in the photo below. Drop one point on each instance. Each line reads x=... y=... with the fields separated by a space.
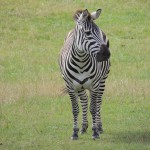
x=33 y=114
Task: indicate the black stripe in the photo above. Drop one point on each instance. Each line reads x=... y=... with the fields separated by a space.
x=71 y=68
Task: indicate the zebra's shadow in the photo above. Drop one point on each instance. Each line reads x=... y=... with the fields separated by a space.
x=141 y=137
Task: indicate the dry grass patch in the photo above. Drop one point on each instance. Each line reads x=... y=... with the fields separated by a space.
x=12 y=92
x=128 y=87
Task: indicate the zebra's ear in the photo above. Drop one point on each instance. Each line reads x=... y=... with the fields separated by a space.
x=96 y=14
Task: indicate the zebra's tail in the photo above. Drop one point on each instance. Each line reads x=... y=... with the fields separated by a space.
x=63 y=91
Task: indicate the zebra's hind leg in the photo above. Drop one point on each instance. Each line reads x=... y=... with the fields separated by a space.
x=84 y=128
x=84 y=103
x=75 y=111
x=93 y=111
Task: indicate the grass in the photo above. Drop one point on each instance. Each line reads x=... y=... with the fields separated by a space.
x=33 y=114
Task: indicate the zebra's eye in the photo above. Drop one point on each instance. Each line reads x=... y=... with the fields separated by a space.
x=87 y=32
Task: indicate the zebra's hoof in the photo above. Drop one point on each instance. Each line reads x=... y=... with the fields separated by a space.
x=74 y=137
x=95 y=134
x=94 y=137
x=75 y=134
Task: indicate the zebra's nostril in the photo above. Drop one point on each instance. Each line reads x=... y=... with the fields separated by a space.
x=105 y=51
x=104 y=54
x=108 y=54
x=99 y=56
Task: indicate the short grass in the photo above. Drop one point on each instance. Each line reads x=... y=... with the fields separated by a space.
x=33 y=114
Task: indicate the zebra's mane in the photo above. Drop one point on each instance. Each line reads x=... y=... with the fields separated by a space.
x=79 y=12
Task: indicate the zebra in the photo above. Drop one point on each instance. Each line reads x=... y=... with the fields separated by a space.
x=85 y=63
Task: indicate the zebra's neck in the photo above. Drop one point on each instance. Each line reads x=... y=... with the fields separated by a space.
x=77 y=58
x=77 y=54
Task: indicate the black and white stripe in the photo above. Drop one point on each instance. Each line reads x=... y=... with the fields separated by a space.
x=84 y=64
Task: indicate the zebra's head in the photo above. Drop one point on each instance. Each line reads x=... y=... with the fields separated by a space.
x=88 y=37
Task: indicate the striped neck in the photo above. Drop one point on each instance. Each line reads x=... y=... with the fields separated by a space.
x=78 y=55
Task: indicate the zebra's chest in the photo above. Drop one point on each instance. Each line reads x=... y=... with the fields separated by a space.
x=84 y=81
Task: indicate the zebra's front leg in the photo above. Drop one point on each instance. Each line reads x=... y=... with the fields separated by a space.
x=93 y=110
x=84 y=104
x=99 y=103
x=75 y=111
x=98 y=117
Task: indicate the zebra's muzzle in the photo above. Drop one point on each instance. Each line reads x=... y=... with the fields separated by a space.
x=103 y=54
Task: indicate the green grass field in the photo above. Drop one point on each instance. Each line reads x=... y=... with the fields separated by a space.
x=33 y=113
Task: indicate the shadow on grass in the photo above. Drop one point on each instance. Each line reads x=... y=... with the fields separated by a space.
x=132 y=137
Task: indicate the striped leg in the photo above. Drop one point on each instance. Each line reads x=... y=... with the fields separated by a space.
x=98 y=117
x=75 y=111
x=94 y=114
x=99 y=102
x=84 y=104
